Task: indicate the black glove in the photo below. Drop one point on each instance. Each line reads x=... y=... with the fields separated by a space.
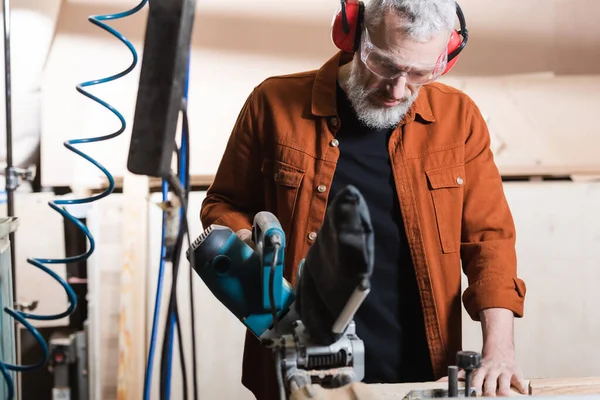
x=340 y=260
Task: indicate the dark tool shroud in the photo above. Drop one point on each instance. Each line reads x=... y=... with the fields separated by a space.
x=162 y=85
x=334 y=279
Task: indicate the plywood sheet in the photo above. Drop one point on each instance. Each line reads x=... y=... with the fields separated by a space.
x=540 y=124
x=557 y=387
x=104 y=287
x=361 y=391
x=237 y=44
x=40 y=235
x=132 y=321
x=558 y=254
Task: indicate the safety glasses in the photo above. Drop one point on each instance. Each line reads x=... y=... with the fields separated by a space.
x=386 y=66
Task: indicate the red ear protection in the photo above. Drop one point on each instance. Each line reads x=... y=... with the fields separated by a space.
x=347 y=25
x=345 y=31
x=455 y=46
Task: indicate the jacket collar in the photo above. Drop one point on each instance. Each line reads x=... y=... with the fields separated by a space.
x=324 y=92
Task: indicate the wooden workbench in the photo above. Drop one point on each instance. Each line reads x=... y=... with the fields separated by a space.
x=360 y=391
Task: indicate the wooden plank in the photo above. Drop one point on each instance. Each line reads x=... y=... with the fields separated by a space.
x=156 y=183
x=570 y=169
x=132 y=329
x=562 y=386
x=362 y=391
x=526 y=135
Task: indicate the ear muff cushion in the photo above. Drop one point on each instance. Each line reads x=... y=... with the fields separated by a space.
x=453 y=44
x=345 y=41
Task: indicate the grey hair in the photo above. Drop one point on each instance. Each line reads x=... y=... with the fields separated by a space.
x=423 y=18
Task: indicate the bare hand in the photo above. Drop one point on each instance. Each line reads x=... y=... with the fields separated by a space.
x=496 y=376
x=246 y=236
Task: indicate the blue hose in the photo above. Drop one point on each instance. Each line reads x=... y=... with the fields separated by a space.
x=59 y=205
x=159 y=289
x=9 y=383
x=183 y=180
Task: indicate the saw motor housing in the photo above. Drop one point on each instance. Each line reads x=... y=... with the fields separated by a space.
x=235 y=273
x=246 y=280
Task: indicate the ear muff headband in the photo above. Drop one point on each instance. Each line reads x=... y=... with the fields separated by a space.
x=463 y=32
x=347 y=26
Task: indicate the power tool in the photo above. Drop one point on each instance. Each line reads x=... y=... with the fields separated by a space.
x=249 y=282
x=312 y=335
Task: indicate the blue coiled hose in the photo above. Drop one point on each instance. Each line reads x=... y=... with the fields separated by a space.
x=159 y=288
x=58 y=205
x=171 y=319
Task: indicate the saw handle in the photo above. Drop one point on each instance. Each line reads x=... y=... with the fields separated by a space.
x=264 y=222
x=269 y=239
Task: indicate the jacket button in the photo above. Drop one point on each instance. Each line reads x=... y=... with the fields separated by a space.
x=335 y=143
x=334 y=122
x=459 y=180
x=322 y=188
x=312 y=236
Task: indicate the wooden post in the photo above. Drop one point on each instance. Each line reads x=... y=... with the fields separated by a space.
x=564 y=386
x=132 y=329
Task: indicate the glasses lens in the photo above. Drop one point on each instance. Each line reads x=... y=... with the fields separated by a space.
x=388 y=69
x=382 y=65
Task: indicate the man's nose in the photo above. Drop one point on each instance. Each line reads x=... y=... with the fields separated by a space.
x=397 y=87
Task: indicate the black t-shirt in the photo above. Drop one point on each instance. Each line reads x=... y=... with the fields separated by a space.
x=390 y=321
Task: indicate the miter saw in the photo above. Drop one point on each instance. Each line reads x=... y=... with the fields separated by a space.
x=310 y=326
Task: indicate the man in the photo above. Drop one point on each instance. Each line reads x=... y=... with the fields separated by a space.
x=420 y=154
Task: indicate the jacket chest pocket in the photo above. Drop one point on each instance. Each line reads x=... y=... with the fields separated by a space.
x=282 y=183
x=446 y=188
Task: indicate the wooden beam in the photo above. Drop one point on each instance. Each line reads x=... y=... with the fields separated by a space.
x=562 y=386
x=132 y=329
x=156 y=183
x=362 y=391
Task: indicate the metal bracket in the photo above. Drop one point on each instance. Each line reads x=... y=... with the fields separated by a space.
x=27 y=306
x=427 y=394
x=15 y=176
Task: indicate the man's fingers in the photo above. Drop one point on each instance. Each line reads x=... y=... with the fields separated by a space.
x=461 y=375
x=477 y=380
x=504 y=381
x=520 y=384
x=490 y=384
x=246 y=236
x=444 y=379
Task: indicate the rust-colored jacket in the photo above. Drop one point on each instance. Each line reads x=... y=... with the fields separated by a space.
x=282 y=155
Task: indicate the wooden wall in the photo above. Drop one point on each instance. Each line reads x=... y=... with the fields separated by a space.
x=236 y=44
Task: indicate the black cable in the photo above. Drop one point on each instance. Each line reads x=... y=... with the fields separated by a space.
x=186 y=137
x=276 y=246
x=272 y=285
x=173 y=311
x=176 y=187
x=181 y=352
x=282 y=392
x=164 y=356
x=173 y=308
x=176 y=264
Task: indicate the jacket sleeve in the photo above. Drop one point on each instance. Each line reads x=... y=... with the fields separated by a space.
x=488 y=233
x=235 y=195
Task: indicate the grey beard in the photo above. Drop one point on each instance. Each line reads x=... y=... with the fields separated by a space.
x=370 y=114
